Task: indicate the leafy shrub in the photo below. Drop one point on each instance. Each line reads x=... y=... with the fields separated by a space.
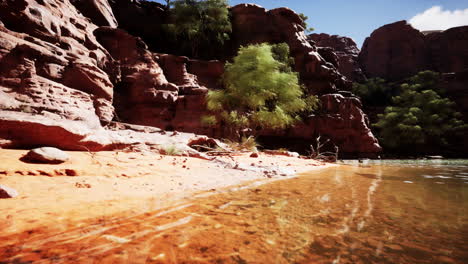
x=171 y=150
x=420 y=116
x=375 y=92
x=261 y=92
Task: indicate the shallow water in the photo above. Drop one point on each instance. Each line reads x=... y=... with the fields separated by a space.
x=370 y=212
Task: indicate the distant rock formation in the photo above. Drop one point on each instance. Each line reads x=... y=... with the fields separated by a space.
x=393 y=52
x=396 y=51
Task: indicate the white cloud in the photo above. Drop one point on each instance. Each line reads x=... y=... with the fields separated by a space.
x=435 y=18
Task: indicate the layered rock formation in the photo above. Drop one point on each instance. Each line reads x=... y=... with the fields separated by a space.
x=61 y=75
x=57 y=81
x=341 y=50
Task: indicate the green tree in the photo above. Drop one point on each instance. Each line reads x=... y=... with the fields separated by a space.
x=304 y=23
x=420 y=118
x=375 y=92
x=260 y=92
x=199 y=27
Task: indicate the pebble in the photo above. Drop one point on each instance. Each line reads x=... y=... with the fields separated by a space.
x=7 y=192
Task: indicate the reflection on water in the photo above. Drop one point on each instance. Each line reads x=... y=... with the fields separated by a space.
x=372 y=213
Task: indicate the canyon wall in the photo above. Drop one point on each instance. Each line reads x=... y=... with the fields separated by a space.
x=69 y=75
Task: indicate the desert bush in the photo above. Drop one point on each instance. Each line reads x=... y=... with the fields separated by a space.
x=260 y=92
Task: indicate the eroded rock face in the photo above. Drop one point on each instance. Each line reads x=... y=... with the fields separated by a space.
x=393 y=52
x=57 y=81
x=284 y=25
x=61 y=75
x=52 y=74
x=448 y=50
x=99 y=11
x=158 y=89
x=346 y=52
x=142 y=19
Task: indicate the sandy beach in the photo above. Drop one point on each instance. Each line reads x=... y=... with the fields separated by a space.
x=103 y=184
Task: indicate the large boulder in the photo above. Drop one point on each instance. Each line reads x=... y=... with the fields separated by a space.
x=47 y=155
x=346 y=52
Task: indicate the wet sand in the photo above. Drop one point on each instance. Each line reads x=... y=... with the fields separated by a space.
x=115 y=184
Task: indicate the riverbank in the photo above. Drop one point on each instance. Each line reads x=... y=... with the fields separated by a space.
x=93 y=185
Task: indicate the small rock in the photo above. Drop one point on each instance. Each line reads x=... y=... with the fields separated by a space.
x=293 y=154
x=394 y=248
x=46 y=155
x=445 y=260
x=254 y=155
x=7 y=192
x=70 y=172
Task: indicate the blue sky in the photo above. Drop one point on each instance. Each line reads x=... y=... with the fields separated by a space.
x=358 y=18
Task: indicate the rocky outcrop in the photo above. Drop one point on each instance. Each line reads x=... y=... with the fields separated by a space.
x=393 y=52
x=57 y=82
x=448 y=50
x=346 y=124
x=341 y=121
x=284 y=25
x=61 y=75
x=143 y=19
x=157 y=89
x=99 y=11
x=341 y=52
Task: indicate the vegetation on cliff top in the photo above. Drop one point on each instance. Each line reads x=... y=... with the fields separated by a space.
x=199 y=28
x=261 y=92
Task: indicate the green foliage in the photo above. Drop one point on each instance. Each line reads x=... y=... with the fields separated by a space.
x=304 y=23
x=200 y=27
x=261 y=91
x=245 y=144
x=374 y=92
x=419 y=116
x=208 y=120
x=171 y=150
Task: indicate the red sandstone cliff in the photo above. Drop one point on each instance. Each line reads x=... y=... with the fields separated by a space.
x=62 y=75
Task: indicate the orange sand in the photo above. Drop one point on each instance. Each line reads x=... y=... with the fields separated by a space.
x=113 y=183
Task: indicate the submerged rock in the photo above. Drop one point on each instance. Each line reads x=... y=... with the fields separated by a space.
x=7 y=192
x=46 y=155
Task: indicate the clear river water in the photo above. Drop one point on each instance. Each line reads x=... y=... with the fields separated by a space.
x=370 y=212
